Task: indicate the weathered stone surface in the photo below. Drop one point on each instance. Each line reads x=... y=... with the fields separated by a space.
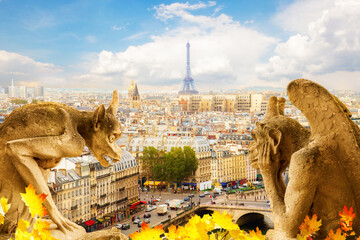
x=112 y=234
x=35 y=137
x=324 y=167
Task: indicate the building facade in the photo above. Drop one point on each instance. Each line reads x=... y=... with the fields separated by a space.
x=92 y=195
x=223 y=103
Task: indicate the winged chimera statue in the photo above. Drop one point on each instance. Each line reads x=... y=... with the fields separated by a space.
x=34 y=138
x=324 y=164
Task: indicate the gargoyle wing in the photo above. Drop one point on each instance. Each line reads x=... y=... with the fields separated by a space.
x=330 y=121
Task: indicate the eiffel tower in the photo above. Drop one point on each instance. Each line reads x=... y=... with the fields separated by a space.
x=188 y=83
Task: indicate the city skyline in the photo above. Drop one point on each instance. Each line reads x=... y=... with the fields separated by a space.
x=235 y=44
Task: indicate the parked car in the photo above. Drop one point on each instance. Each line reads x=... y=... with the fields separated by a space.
x=153 y=207
x=191 y=195
x=136 y=221
x=156 y=199
x=186 y=199
x=207 y=193
x=216 y=193
x=140 y=222
x=119 y=226
x=147 y=215
x=125 y=226
x=147 y=220
x=135 y=217
x=149 y=208
x=202 y=195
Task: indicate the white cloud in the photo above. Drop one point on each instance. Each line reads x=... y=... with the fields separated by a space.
x=165 y=12
x=91 y=39
x=223 y=54
x=331 y=43
x=119 y=28
x=27 y=71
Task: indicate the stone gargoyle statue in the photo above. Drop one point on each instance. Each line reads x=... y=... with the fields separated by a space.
x=35 y=137
x=324 y=164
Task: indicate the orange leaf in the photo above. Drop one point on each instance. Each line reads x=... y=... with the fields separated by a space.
x=337 y=236
x=309 y=227
x=34 y=202
x=257 y=235
x=147 y=233
x=347 y=216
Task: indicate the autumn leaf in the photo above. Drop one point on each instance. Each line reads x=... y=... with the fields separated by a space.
x=238 y=234
x=41 y=230
x=147 y=233
x=34 y=202
x=257 y=235
x=4 y=208
x=224 y=221
x=337 y=236
x=21 y=232
x=310 y=226
x=347 y=216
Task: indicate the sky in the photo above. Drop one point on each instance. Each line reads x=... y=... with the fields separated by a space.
x=233 y=43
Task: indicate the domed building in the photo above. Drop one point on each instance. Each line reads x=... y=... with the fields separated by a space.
x=134 y=96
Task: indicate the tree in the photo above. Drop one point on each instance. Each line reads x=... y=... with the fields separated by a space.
x=19 y=101
x=173 y=166
x=150 y=154
x=183 y=163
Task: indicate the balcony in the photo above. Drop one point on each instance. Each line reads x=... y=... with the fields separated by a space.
x=122 y=189
x=103 y=176
x=122 y=200
x=74 y=207
x=103 y=195
x=93 y=185
x=132 y=175
x=104 y=205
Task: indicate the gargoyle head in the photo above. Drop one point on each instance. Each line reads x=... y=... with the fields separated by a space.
x=104 y=132
x=274 y=136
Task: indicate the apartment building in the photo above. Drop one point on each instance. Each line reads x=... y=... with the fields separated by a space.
x=223 y=103
x=227 y=168
x=92 y=195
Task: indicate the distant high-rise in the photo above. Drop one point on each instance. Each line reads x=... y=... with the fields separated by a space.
x=12 y=90
x=188 y=82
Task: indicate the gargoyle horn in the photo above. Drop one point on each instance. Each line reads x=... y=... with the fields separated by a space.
x=114 y=104
x=272 y=108
x=281 y=105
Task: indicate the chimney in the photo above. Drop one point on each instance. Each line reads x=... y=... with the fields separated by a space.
x=78 y=168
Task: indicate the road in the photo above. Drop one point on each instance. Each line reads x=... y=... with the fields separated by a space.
x=156 y=220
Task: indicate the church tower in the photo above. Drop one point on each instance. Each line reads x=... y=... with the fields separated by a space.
x=134 y=96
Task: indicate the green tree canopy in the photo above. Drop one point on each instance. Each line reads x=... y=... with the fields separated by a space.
x=173 y=166
x=19 y=101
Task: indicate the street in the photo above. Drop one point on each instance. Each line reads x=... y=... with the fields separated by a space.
x=155 y=220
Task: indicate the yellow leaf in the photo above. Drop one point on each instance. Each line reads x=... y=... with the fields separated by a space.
x=4 y=208
x=238 y=234
x=34 y=202
x=201 y=231
x=22 y=225
x=41 y=230
x=224 y=221
x=21 y=232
